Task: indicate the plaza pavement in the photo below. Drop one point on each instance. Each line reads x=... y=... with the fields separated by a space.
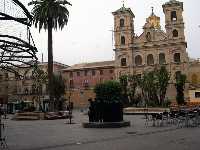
x=57 y=135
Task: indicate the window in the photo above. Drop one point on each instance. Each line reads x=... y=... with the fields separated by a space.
x=33 y=89
x=197 y=94
x=93 y=72
x=123 y=62
x=150 y=60
x=85 y=72
x=71 y=74
x=6 y=75
x=86 y=83
x=175 y=33
x=123 y=41
x=111 y=71
x=101 y=80
x=26 y=90
x=138 y=60
x=138 y=76
x=162 y=58
x=173 y=16
x=101 y=72
x=177 y=58
x=121 y=22
x=71 y=84
x=177 y=74
x=78 y=74
x=148 y=36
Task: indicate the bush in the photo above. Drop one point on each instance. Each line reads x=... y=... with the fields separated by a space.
x=108 y=92
x=108 y=106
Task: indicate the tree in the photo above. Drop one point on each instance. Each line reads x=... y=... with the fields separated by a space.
x=50 y=14
x=108 y=104
x=40 y=79
x=109 y=91
x=180 y=86
x=133 y=83
x=124 y=84
x=58 y=90
x=148 y=87
x=163 y=78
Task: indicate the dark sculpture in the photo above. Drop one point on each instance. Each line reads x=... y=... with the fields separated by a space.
x=100 y=111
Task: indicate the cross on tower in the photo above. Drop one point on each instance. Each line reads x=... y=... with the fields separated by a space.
x=152 y=9
x=123 y=3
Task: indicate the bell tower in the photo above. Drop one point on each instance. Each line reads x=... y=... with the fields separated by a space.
x=123 y=27
x=123 y=37
x=174 y=23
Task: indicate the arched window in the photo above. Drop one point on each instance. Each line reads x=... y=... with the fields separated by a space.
x=162 y=58
x=177 y=74
x=150 y=60
x=177 y=57
x=138 y=60
x=123 y=62
x=121 y=22
x=148 y=36
x=71 y=83
x=175 y=33
x=123 y=41
x=173 y=16
x=194 y=79
x=26 y=90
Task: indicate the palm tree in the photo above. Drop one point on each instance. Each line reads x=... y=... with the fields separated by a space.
x=50 y=14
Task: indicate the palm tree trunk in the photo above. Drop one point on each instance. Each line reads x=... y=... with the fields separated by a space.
x=50 y=64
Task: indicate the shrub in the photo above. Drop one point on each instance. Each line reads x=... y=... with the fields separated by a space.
x=108 y=106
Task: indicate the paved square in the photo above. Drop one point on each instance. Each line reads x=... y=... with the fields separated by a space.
x=57 y=135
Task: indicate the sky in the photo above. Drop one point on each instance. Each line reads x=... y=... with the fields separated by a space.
x=88 y=35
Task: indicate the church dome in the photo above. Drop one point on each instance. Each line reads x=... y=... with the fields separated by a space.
x=152 y=21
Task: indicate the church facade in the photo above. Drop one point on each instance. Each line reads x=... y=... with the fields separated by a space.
x=155 y=47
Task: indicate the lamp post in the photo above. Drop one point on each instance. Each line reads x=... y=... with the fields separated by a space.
x=70 y=106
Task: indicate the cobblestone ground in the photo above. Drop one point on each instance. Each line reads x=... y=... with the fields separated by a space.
x=59 y=135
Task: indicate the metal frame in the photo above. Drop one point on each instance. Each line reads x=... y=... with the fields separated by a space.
x=15 y=52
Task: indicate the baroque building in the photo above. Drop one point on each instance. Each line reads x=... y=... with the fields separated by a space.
x=155 y=46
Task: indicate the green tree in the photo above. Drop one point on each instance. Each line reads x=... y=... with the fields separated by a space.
x=39 y=79
x=124 y=84
x=58 y=90
x=163 y=78
x=133 y=84
x=147 y=86
x=108 y=105
x=50 y=14
x=180 y=86
x=108 y=92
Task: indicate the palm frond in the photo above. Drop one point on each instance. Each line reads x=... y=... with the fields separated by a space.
x=54 y=10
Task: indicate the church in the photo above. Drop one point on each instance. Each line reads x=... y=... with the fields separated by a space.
x=155 y=47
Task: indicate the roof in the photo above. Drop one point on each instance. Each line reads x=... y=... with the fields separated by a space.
x=123 y=10
x=54 y=62
x=174 y=2
x=90 y=65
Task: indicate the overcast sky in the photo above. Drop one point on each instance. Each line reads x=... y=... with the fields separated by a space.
x=88 y=36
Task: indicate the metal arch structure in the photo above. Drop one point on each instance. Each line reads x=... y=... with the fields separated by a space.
x=17 y=48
